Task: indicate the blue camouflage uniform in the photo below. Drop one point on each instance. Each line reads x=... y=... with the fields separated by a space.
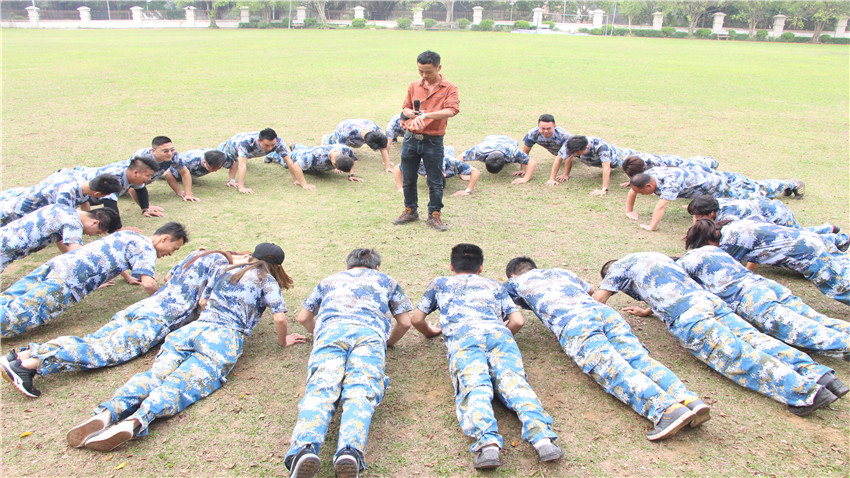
x=194 y=359
x=692 y=180
x=483 y=358
x=317 y=158
x=394 y=129
x=496 y=143
x=802 y=251
x=118 y=169
x=57 y=188
x=163 y=165
x=708 y=328
x=552 y=144
x=246 y=145
x=354 y=310
x=762 y=302
x=350 y=132
x=51 y=288
x=37 y=230
x=671 y=160
x=136 y=329
x=599 y=151
x=451 y=165
x=193 y=160
x=598 y=340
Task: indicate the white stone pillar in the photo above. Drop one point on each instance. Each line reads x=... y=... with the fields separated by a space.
x=358 y=11
x=85 y=16
x=657 y=20
x=840 y=27
x=32 y=12
x=477 y=13
x=537 y=17
x=190 y=16
x=137 y=16
x=417 y=17
x=778 y=25
x=718 y=22
x=244 y=14
x=597 y=18
x=300 y=15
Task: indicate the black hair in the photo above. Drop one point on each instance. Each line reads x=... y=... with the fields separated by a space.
x=467 y=258
x=576 y=144
x=175 y=230
x=214 y=158
x=703 y=231
x=633 y=165
x=143 y=162
x=640 y=180
x=375 y=140
x=703 y=205
x=108 y=218
x=368 y=258
x=604 y=271
x=159 y=141
x=344 y=163
x=519 y=265
x=546 y=118
x=268 y=134
x=495 y=161
x=105 y=184
x=428 y=57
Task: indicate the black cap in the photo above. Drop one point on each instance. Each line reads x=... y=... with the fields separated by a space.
x=271 y=253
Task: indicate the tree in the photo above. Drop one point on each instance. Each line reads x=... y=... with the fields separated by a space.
x=633 y=9
x=694 y=12
x=322 y=12
x=819 y=13
x=755 y=12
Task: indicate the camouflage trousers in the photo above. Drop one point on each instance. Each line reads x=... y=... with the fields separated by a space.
x=488 y=364
x=831 y=273
x=191 y=364
x=742 y=187
x=33 y=301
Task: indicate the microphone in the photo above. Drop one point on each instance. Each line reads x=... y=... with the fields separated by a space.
x=416 y=106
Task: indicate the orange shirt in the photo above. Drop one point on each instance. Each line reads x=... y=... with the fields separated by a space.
x=443 y=95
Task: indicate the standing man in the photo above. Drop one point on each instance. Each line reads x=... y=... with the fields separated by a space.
x=437 y=101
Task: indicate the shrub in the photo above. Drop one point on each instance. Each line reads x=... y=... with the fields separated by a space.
x=358 y=23
x=621 y=32
x=801 y=39
x=702 y=33
x=521 y=25
x=596 y=31
x=551 y=24
x=404 y=23
x=584 y=30
x=825 y=38
x=840 y=41
x=430 y=22
x=668 y=31
x=284 y=23
x=761 y=35
x=247 y=25
x=732 y=34
x=311 y=23
x=486 y=25
x=263 y=25
x=680 y=34
x=648 y=33
x=787 y=37
x=463 y=23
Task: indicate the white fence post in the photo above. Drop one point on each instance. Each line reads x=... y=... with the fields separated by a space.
x=300 y=15
x=477 y=14
x=137 y=16
x=657 y=20
x=718 y=22
x=358 y=11
x=244 y=14
x=840 y=27
x=778 y=25
x=597 y=18
x=32 y=12
x=537 y=17
x=190 y=16
x=417 y=17
x=85 y=16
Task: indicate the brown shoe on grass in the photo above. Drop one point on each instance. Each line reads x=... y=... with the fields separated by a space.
x=435 y=222
x=409 y=215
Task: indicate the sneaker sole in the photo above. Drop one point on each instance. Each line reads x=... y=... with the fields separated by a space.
x=346 y=468
x=13 y=378
x=702 y=414
x=674 y=428
x=78 y=435
x=306 y=467
x=109 y=442
x=551 y=457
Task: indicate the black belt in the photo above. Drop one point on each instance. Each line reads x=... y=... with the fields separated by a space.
x=420 y=137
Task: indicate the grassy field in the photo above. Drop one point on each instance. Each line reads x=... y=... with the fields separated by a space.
x=93 y=97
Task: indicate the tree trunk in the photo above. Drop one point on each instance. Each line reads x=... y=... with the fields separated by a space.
x=753 y=23
x=213 y=14
x=450 y=6
x=630 y=23
x=267 y=13
x=692 y=25
x=320 y=8
x=819 y=26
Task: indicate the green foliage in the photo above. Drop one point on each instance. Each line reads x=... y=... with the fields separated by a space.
x=840 y=41
x=311 y=22
x=596 y=31
x=521 y=25
x=761 y=35
x=680 y=34
x=248 y=24
x=787 y=37
x=668 y=31
x=430 y=23
x=262 y=25
x=732 y=34
x=584 y=30
x=404 y=23
x=463 y=23
x=702 y=33
x=551 y=25
x=486 y=25
x=648 y=33
x=284 y=23
x=825 y=38
x=801 y=39
x=620 y=32
x=358 y=23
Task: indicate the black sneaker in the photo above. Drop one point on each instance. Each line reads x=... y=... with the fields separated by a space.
x=9 y=358
x=823 y=398
x=304 y=464
x=347 y=464
x=701 y=412
x=20 y=377
x=671 y=422
x=831 y=383
x=798 y=191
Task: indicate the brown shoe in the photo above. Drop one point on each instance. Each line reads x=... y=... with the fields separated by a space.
x=409 y=215
x=435 y=222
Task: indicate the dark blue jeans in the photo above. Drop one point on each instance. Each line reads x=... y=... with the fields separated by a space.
x=430 y=152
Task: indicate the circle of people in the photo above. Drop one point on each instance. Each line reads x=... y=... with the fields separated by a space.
x=746 y=327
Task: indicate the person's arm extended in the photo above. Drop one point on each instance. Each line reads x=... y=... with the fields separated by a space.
x=63 y=248
x=418 y=321
x=515 y=321
x=298 y=174
x=606 y=180
x=638 y=311
x=172 y=182
x=529 y=170
x=186 y=179
x=149 y=284
x=751 y=266
x=352 y=177
x=307 y=319
x=473 y=180
x=602 y=296
x=526 y=148
x=630 y=205
x=553 y=176
x=241 y=171
x=401 y=326
x=657 y=215
x=280 y=330
x=385 y=158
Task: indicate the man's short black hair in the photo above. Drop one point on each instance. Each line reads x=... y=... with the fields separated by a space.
x=214 y=158
x=576 y=144
x=519 y=265
x=375 y=140
x=604 y=271
x=140 y=163
x=495 y=162
x=368 y=258
x=105 y=184
x=467 y=258
x=268 y=134
x=108 y=218
x=175 y=230
x=428 y=58
x=633 y=165
x=159 y=141
x=640 y=180
x=703 y=205
x=546 y=118
x=344 y=163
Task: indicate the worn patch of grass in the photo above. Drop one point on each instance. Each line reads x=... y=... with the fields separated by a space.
x=93 y=97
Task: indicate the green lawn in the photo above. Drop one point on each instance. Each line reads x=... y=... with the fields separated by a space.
x=93 y=97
